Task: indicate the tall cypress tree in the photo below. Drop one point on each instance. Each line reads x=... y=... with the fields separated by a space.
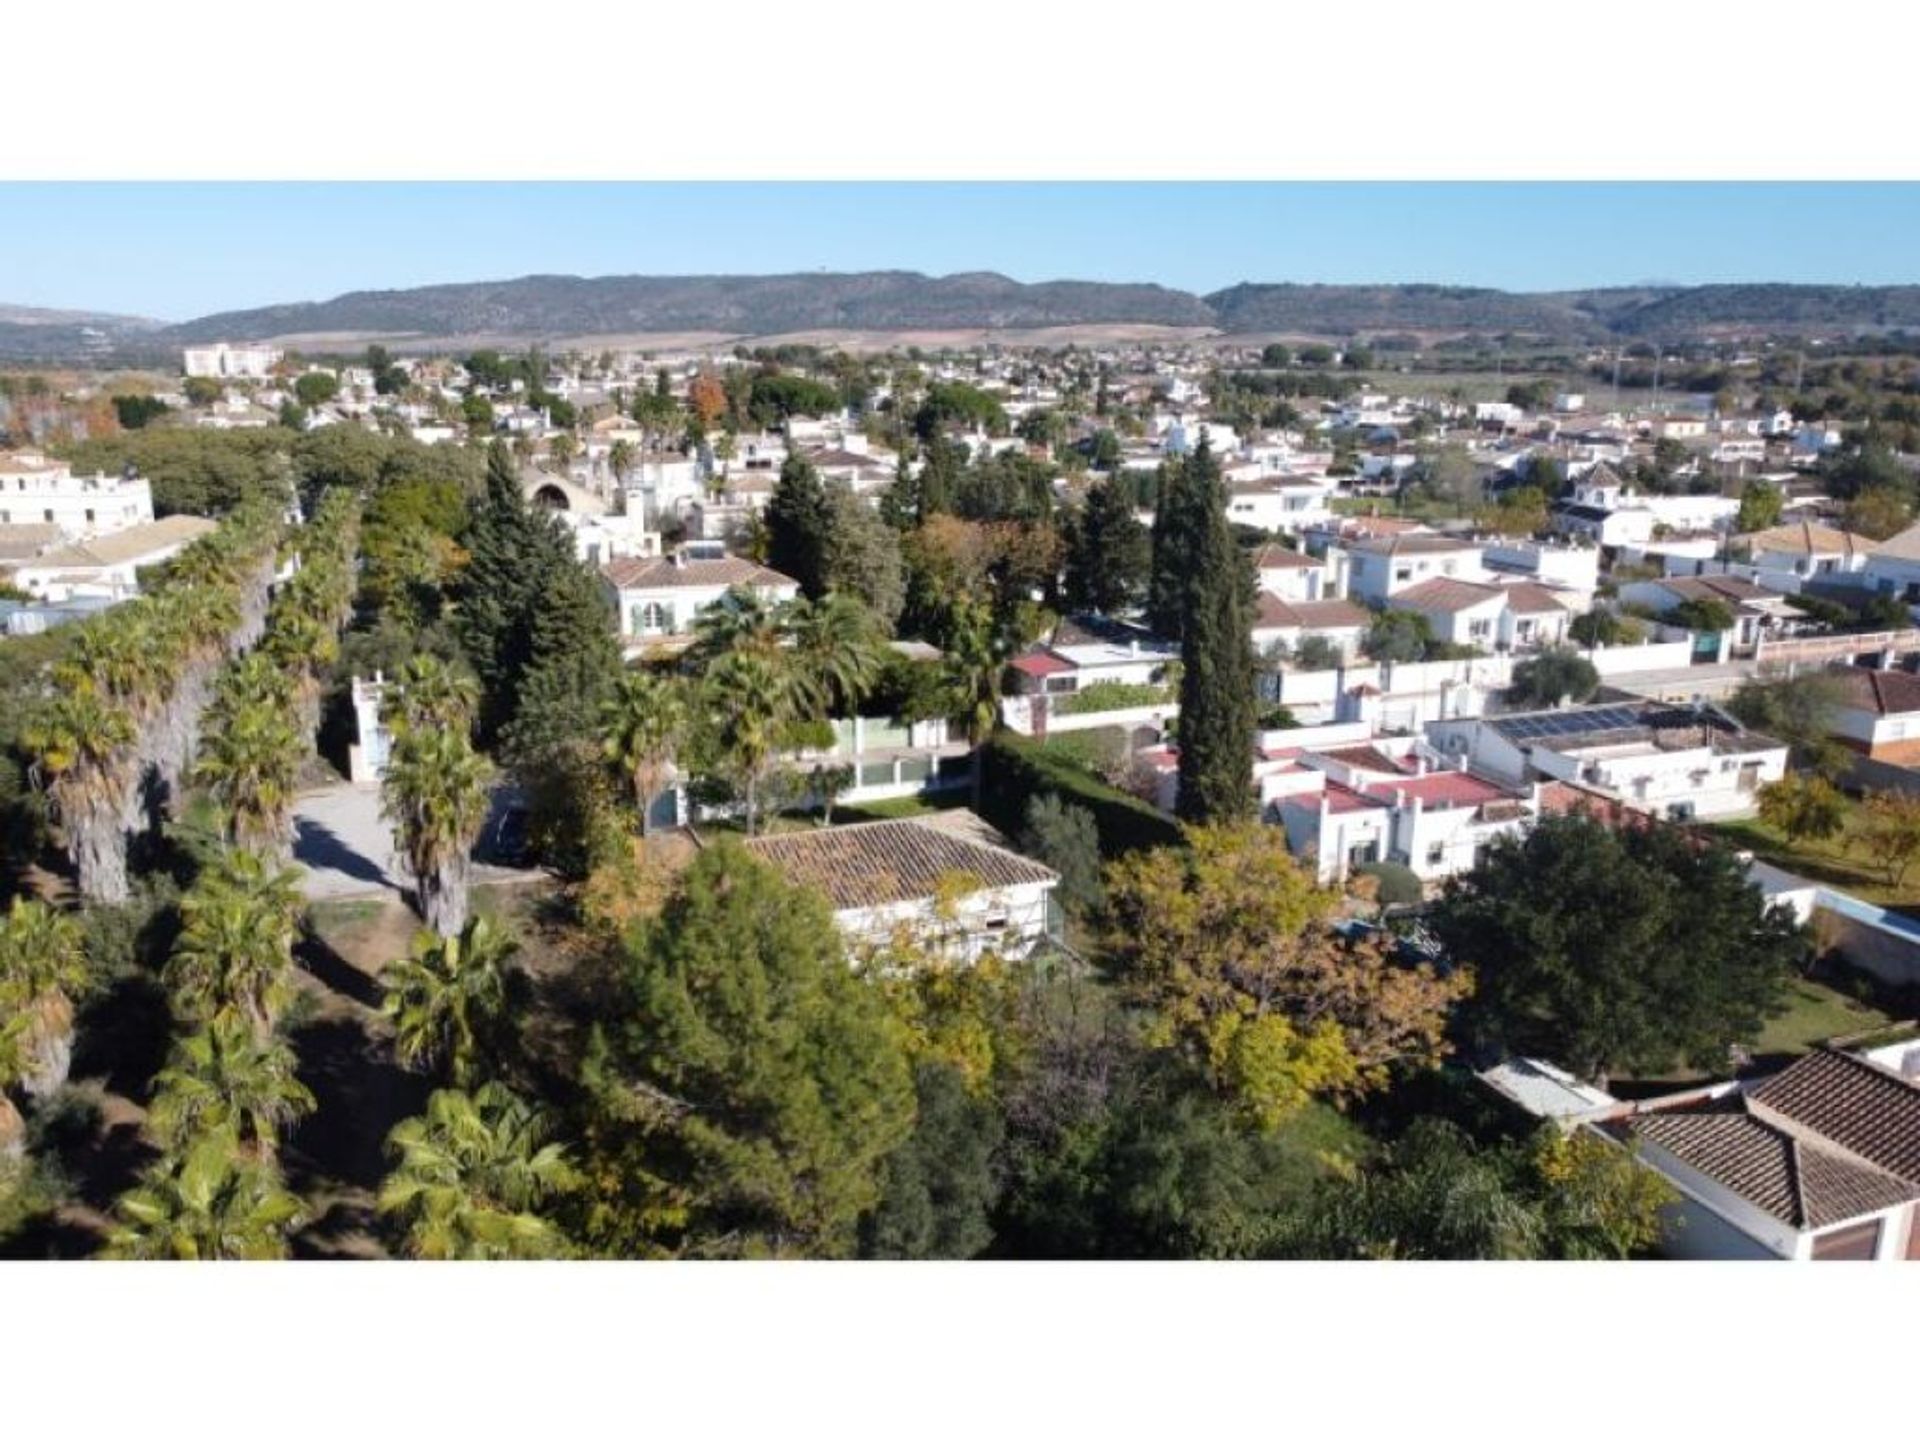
x=800 y=526
x=1173 y=550
x=1218 y=718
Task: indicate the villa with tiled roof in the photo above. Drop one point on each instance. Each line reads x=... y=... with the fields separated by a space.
x=942 y=880
x=658 y=598
x=1818 y=1162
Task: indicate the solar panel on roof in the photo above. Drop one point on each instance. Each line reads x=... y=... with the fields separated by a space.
x=1555 y=723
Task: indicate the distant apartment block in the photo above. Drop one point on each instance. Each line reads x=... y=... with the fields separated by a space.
x=230 y=362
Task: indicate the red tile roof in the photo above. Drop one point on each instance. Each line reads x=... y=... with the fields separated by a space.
x=1879 y=692
x=1367 y=757
x=1527 y=598
x=1040 y=663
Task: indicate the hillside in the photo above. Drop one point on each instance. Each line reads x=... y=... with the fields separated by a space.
x=958 y=309
x=561 y=305
x=1346 y=309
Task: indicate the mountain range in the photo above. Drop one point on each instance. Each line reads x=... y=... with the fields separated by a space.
x=874 y=304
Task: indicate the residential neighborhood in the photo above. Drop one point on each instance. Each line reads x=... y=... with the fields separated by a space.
x=1533 y=760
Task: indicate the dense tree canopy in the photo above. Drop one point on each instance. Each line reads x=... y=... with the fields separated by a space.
x=1603 y=949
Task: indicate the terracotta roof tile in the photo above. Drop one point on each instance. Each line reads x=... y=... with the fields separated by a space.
x=1279 y=557
x=636 y=573
x=1271 y=612
x=1880 y=692
x=1804 y=1183
x=881 y=862
x=1870 y=1110
x=1443 y=594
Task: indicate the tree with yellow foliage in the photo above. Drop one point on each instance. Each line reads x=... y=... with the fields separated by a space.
x=1228 y=945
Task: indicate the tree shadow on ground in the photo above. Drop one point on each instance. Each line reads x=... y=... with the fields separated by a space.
x=325 y=964
x=361 y=1093
x=122 y=1035
x=319 y=847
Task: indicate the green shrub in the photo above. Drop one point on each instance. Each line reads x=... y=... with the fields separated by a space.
x=1112 y=695
x=1398 y=884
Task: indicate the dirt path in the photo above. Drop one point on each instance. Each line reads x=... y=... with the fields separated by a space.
x=335 y=1158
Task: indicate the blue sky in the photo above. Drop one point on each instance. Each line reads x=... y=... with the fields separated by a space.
x=175 y=251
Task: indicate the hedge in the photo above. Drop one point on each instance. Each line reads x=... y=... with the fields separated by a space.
x=1113 y=695
x=1015 y=769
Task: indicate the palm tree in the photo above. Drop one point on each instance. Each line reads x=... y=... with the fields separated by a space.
x=838 y=652
x=14 y=1068
x=251 y=763
x=446 y=997
x=211 y=1202
x=974 y=662
x=430 y=693
x=643 y=723
x=738 y=620
x=83 y=748
x=42 y=965
x=748 y=702
x=435 y=793
x=303 y=643
x=235 y=949
x=620 y=459
x=471 y=1173
x=223 y=1076
x=195 y=623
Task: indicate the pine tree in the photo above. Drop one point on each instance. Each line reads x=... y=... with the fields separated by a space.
x=1109 y=559
x=1218 y=719
x=572 y=665
x=800 y=527
x=495 y=603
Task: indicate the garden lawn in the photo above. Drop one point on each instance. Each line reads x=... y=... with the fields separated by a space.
x=1815 y=1013
x=1842 y=862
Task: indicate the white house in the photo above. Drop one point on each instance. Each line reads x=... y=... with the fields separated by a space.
x=658 y=599
x=1894 y=568
x=1342 y=624
x=1463 y=612
x=1293 y=574
x=1877 y=712
x=1807 y=550
x=662 y=484
x=1381 y=567
x=1607 y=511
x=1280 y=504
x=1387 y=800
x=109 y=566
x=1571 y=570
x=37 y=490
x=943 y=886
x=1675 y=761
x=1755 y=611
